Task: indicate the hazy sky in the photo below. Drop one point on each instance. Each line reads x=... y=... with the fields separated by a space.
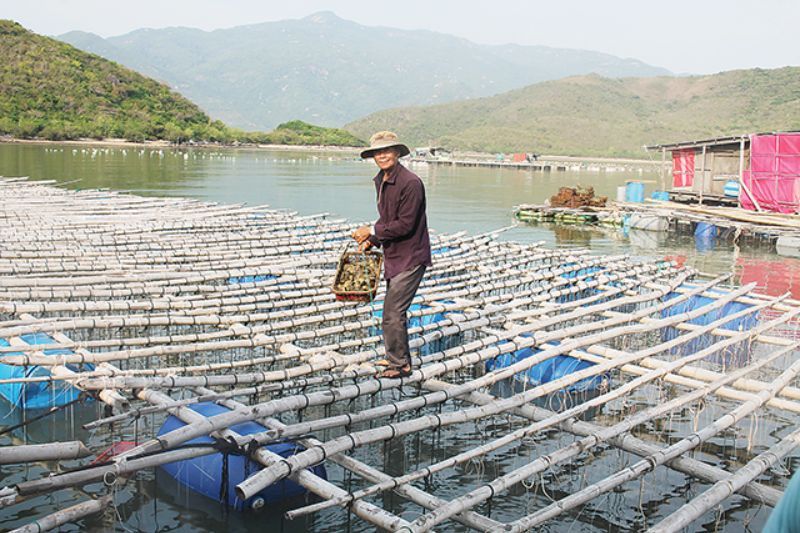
x=697 y=36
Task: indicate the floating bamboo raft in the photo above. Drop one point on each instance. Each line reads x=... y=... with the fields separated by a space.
x=727 y=223
x=153 y=307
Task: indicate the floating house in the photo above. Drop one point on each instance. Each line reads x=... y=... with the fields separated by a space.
x=758 y=171
x=431 y=151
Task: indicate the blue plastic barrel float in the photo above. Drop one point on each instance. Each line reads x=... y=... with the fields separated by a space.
x=39 y=394
x=735 y=355
x=634 y=192
x=549 y=370
x=216 y=475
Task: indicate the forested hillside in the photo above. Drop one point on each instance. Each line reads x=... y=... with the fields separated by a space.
x=592 y=115
x=51 y=90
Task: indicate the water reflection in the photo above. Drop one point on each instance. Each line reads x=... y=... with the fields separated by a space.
x=338 y=182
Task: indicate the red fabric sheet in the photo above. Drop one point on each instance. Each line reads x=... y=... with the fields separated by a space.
x=682 y=168
x=774 y=173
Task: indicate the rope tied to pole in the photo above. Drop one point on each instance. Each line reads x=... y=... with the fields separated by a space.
x=82 y=397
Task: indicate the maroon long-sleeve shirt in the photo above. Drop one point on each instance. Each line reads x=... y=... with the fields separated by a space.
x=402 y=226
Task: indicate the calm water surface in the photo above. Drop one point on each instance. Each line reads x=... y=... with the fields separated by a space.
x=459 y=199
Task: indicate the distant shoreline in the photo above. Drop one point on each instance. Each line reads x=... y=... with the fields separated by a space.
x=121 y=143
x=349 y=150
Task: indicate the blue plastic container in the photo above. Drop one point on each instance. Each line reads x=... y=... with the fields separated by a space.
x=42 y=394
x=705 y=237
x=559 y=367
x=660 y=195
x=735 y=355
x=705 y=230
x=550 y=370
x=204 y=474
x=732 y=188
x=634 y=192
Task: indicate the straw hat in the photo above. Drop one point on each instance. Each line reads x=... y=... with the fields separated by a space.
x=384 y=139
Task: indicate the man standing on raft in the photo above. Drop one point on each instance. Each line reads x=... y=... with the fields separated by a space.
x=402 y=231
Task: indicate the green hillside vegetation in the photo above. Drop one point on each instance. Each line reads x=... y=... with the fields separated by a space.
x=50 y=90
x=596 y=116
x=298 y=132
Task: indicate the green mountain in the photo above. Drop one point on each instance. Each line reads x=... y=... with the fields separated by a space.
x=329 y=71
x=52 y=90
x=299 y=133
x=592 y=115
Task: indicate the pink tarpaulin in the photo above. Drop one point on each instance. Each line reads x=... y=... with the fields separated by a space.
x=774 y=173
x=682 y=168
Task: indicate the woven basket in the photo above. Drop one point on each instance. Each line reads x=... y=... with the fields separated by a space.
x=357 y=258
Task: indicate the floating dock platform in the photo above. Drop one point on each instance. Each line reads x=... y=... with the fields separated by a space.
x=712 y=222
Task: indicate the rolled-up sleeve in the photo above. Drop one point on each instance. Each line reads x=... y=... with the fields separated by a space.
x=409 y=211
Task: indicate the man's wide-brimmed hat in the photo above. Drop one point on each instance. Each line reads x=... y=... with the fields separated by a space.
x=384 y=139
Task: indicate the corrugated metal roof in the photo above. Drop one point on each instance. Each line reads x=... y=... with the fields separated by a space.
x=715 y=141
x=703 y=142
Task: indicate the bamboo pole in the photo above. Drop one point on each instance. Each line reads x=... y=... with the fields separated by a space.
x=533 y=428
x=307 y=479
x=67 y=251
x=116 y=322
x=651 y=462
x=68 y=515
x=625 y=441
x=420 y=497
x=253 y=341
x=267 y=476
x=107 y=472
x=501 y=483
x=351 y=418
x=305 y=400
x=53 y=451
x=722 y=489
x=436 y=308
x=697 y=376
x=302 y=383
x=133 y=463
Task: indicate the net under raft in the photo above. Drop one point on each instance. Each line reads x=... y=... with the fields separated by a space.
x=203 y=341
